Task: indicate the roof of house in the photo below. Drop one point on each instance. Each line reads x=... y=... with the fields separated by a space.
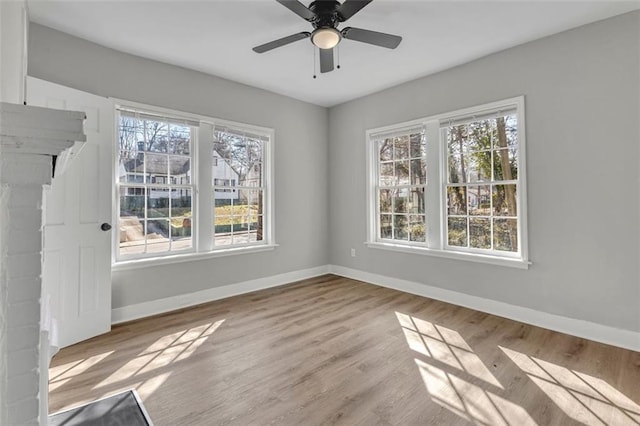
x=157 y=164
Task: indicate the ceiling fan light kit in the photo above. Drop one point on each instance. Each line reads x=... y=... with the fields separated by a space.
x=325 y=16
x=325 y=38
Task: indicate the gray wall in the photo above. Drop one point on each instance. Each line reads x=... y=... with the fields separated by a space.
x=582 y=92
x=301 y=133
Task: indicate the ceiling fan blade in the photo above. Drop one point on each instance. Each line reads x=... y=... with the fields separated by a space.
x=299 y=9
x=280 y=42
x=389 y=41
x=350 y=7
x=326 y=60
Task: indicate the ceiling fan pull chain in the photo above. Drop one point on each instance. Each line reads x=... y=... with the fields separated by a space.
x=314 y=62
x=338 y=56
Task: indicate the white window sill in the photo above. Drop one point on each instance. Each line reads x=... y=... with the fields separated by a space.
x=471 y=257
x=188 y=257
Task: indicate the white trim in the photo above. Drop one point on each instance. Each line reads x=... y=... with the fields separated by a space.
x=159 y=306
x=189 y=257
x=513 y=262
x=584 y=329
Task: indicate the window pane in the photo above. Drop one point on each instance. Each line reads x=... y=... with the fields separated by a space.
x=457 y=231
x=400 y=202
x=180 y=170
x=417 y=230
x=505 y=234
x=387 y=174
x=415 y=202
x=457 y=169
x=157 y=202
x=256 y=229
x=400 y=227
x=505 y=200
x=385 y=200
x=481 y=134
x=418 y=172
x=156 y=166
x=181 y=213
x=505 y=164
x=480 y=233
x=386 y=228
x=456 y=200
x=246 y=214
x=402 y=172
x=417 y=146
x=157 y=235
x=254 y=176
x=456 y=140
x=132 y=202
x=479 y=200
x=510 y=131
x=221 y=170
x=179 y=139
x=478 y=166
x=131 y=167
x=386 y=150
x=222 y=226
x=401 y=147
x=131 y=220
x=156 y=135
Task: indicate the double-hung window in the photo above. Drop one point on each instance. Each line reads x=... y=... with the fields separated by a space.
x=190 y=186
x=452 y=185
x=238 y=186
x=155 y=184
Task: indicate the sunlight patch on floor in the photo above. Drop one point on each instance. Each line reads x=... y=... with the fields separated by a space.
x=444 y=345
x=469 y=401
x=447 y=357
x=62 y=374
x=162 y=353
x=148 y=387
x=582 y=397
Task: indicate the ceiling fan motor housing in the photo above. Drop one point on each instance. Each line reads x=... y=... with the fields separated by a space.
x=326 y=12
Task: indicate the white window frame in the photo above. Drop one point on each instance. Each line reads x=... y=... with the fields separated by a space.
x=435 y=195
x=267 y=152
x=202 y=199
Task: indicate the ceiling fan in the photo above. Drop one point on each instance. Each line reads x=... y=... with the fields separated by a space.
x=325 y=16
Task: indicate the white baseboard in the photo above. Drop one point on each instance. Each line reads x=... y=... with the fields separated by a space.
x=580 y=328
x=588 y=330
x=159 y=306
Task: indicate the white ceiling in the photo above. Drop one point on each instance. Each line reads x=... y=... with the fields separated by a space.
x=216 y=37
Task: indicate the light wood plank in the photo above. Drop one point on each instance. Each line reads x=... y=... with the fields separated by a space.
x=331 y=350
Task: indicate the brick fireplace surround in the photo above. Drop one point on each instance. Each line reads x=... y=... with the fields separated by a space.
x=30 y=138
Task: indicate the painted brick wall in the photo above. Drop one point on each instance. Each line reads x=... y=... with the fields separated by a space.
x=22 y=241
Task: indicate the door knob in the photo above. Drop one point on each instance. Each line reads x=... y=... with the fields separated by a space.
x=105 y=227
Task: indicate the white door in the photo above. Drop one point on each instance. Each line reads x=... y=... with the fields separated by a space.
x=76 y=274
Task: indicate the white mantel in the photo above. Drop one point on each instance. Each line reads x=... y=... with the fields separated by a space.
x=29 y=138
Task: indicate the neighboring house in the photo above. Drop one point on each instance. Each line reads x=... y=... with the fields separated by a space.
x=159 y=169
x=223 y=175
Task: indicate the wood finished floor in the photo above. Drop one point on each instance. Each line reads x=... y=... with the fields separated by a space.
x=331 y=350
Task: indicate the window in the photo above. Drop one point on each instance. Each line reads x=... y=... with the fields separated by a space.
x=154 y=211
x=238 y=186
x=402 y=181
x=472 y=206
x=161 y=165
x=482 y=181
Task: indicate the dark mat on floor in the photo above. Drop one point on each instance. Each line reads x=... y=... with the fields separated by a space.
x=123 y=409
